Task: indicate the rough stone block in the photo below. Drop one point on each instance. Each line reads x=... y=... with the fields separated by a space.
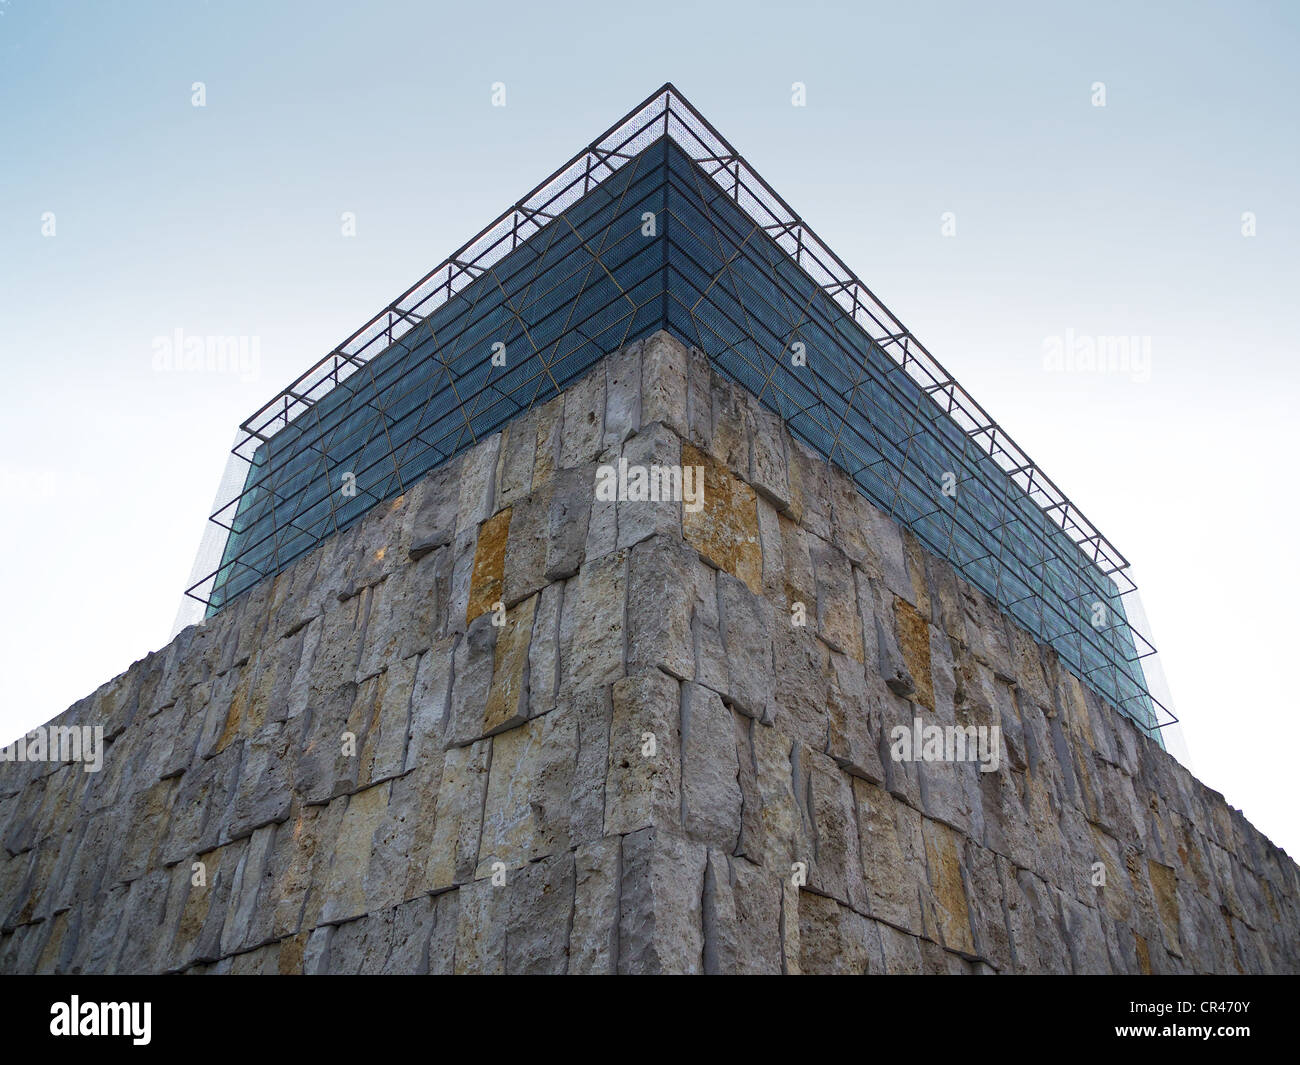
x=660 y=905
x=643 y=787
x=663 y=382
x=710 y=786
x=725 y=528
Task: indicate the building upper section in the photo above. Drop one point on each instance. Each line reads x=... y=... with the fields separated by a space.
x=660 y=224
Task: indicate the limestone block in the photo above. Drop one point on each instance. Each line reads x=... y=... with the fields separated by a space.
x=300 y=854
x=413 y=810
x=800 y=584
x=951 y=792
x=711 y=798
x=529 y=794
x=1028 y=666
x=1033 y=921
x=902 y=778
x=855 y=733
x=592 y=624
x=810 y=490
x=1084 y=937
x=947 y=885
x=757 y=898
x=524 y=554
x=725 y=528
x=886 y=539
x=891 y=880
x=985 y=906
x=712 y=666
x=801 y=689
x=550 y=429
x=593 y=940
x=750 y=844
x=769 y=470
x=429 y=702
x=404 y=615
x=345 y=886
x=660 y=907
x=663 y=382
x=383 y=753
x=779 y=813
x=1007 y=827
x=986 y=631
x=602 y=529
x=483 y=916
x=838 y=621
x=453 y=851
x=322 y=770
x=771 y=548
x=204 y=806
x=198 y=931
x=361 y=946
x=640 y=518
x=540 y=911
x=463 y=552
x=1164 y=885
x=477 y=487
x=746 y=627
x=584 y=415
x=473 y=665
x=57 y=951
x=250 y=871
x=544 y=651
x=918 y=570
x=660 y=602
x=567 y=521
x=913 y=635
x=790 y=950
x=442 y=943
x=339 y=651
x=143 y=831
x=699 y=399
x=433 y=521
x=592 y=712
x=507 y=697
x=404 y=827
x=517 y=458
x=902 y=952
x=486 y=580
x=147 y=923
x=719 y=921
x=833 y=940
x=836 y=866
x=852 y=524
x=731 y=429
x=622 y=395
x=643 y=786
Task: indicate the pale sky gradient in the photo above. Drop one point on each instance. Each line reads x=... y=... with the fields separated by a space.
x=1120 y=220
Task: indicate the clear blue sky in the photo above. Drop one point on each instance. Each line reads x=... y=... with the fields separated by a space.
x=1071 y=219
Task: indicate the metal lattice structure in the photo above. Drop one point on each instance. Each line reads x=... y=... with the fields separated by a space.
x=660 y=224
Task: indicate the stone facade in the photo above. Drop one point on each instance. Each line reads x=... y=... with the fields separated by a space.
x=501 y=725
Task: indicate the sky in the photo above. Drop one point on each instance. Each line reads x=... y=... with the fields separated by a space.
x=1015 y=181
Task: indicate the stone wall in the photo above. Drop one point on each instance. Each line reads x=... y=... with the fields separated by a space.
x=592 y=736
